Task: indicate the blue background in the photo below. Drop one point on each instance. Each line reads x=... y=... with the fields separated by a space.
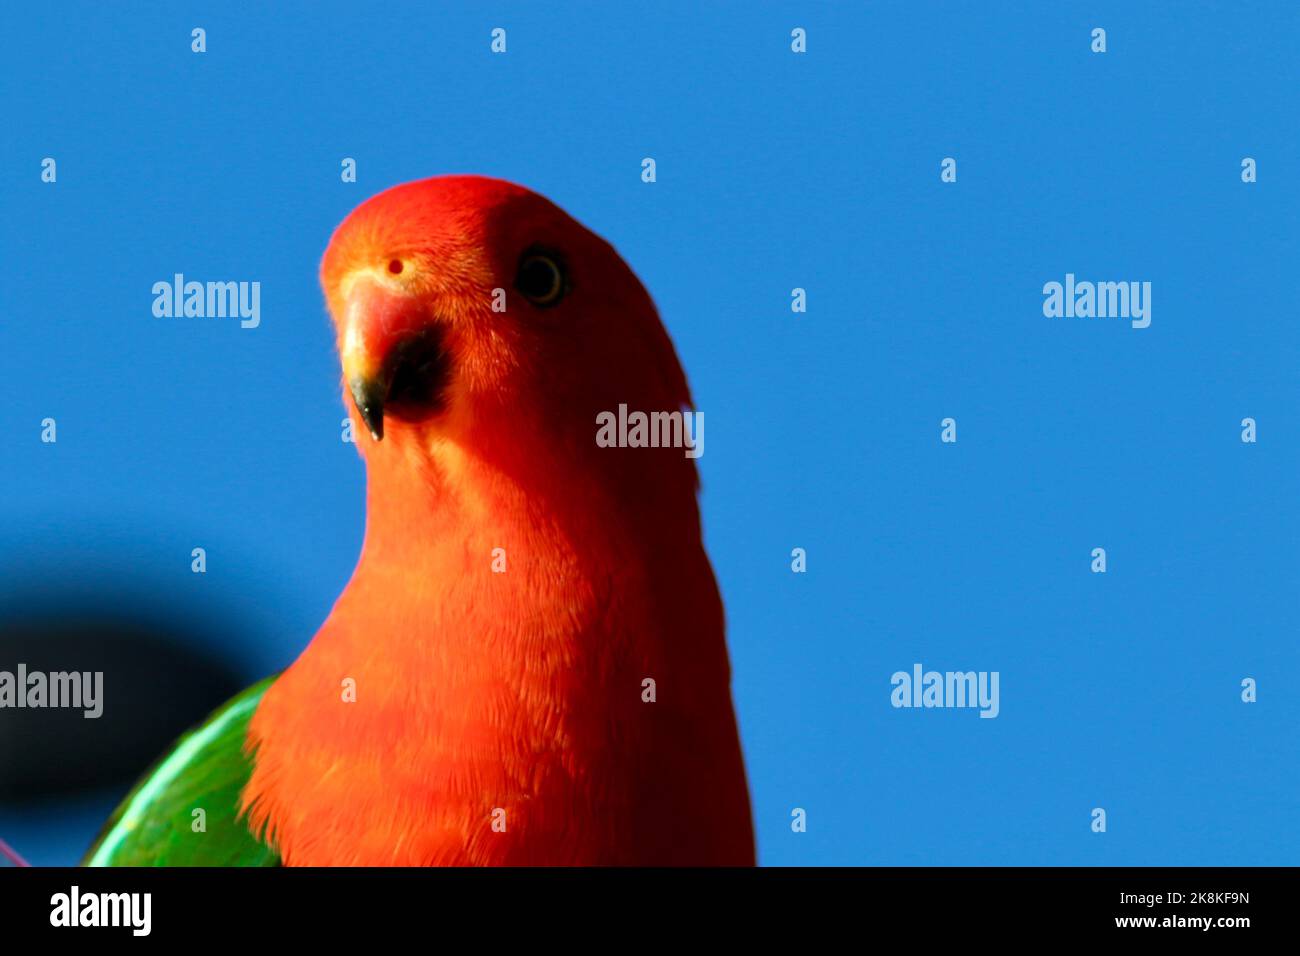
x=775 y=170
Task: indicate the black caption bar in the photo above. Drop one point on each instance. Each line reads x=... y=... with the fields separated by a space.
x=334 y=904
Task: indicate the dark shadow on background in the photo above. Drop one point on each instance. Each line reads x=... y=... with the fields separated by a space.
x=163 y=673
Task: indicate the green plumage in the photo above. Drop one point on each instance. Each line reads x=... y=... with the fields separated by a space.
x=206 y=769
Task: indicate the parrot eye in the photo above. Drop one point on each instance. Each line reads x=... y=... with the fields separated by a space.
x=540 y=279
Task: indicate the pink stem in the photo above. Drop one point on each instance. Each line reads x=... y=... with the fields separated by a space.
x=12 y=854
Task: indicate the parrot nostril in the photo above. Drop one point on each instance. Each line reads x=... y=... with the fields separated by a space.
x=395 y=266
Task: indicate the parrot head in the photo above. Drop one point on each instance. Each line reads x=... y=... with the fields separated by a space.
x=473 y=312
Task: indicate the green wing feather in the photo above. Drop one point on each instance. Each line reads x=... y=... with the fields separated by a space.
x=206 y=769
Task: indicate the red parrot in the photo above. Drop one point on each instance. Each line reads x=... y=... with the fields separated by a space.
x=528 y=665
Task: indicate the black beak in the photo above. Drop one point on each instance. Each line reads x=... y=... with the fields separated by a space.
x=410 y=385
x=370 y=394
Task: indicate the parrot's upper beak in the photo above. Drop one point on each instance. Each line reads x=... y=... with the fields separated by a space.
x=392 y=354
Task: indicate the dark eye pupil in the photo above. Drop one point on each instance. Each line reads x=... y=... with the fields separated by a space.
x=538 y=276
x=540 y=279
